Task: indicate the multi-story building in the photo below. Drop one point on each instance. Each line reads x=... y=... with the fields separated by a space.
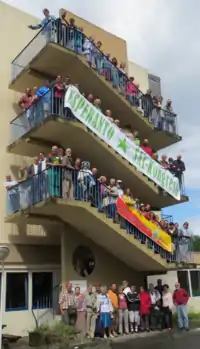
x=43 y=236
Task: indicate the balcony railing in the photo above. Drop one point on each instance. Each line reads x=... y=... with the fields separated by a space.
x=74 y=102
x=62 y=182
x=74 y=40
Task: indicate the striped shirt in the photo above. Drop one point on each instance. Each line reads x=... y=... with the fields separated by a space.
x=67 y=300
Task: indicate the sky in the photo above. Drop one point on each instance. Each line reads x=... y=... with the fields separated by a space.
x=162 y=36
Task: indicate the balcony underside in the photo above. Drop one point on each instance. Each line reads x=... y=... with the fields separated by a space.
x=55 y=60
x=87 y=146
x=96 y=227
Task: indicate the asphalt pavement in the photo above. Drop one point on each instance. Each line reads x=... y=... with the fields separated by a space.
x=165 y=340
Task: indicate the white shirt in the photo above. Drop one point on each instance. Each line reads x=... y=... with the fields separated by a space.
x=155 y=296
x=127 y=290
x=35 y=169
x=11 y=184
x=84 y=173
x=43 y=163
x=120 y=192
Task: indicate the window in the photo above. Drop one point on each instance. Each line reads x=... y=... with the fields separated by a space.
x=83 y=261
x=195 y=282
x=16 y=291
x=42 y=290
x=183 y=279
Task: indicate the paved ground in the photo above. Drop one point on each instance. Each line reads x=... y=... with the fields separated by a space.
x=173 y=340
x=152 y=340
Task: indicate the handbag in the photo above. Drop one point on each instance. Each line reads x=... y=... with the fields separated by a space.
x=72 y=310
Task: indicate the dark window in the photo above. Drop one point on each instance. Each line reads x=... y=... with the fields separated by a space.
x=195 y=282
x=83 y=261
x=42 y=290
x=16 y=291
x=183 y=279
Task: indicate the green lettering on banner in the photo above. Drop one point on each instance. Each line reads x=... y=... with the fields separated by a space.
x=110 y=133
x=163 y=176
x=76 y=97
x=139 y=159
x=135 y=155
x=155 y=171
x=171 y=184
x=144 y=158
x=85 y=111
x=150 y=167
x=80 y=103
x=106 y=124
x=95 y=120
x=159 y=175
x=100 y=124
x=70 y=99
x=90 y=115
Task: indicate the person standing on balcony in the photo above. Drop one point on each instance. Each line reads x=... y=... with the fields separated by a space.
x=147 y=105
x=179 y=169
x=147 y=148
x=180 y=299
x=47 y=25
x=25 y=104
x=44 y=104
x=169 y=118
x=54 y=170
x=185 y=243
x=58 y=93
x=67 y=185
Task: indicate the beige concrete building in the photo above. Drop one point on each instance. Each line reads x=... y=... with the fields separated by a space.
x=43 y=238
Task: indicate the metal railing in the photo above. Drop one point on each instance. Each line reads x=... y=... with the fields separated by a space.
x=69 y=184
x=75 y=40
x=47 y=105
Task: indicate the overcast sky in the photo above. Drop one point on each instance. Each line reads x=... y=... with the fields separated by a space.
x=162 y=36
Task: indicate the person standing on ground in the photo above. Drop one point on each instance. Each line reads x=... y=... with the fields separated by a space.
x=180 y=300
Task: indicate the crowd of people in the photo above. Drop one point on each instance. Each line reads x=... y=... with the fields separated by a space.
x=122 y=310
x=53 y=93
x=58 y=175
x=71 y=36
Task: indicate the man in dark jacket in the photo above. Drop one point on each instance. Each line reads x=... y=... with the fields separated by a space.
x=133 y=303
x=179 y=169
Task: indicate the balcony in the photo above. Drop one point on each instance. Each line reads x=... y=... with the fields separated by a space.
x=48 y=122
x=84 y=207
x=49 y=55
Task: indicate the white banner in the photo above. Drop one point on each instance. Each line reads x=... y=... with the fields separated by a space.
x=90 y=116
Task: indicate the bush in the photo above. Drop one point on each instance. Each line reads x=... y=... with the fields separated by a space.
x=58 y=332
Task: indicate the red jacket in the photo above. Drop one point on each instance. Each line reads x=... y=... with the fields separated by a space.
x=148 y=150
x=180 y=297
x=145 y=303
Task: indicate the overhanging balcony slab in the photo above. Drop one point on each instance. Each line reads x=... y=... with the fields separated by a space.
x=55 y=60
x=96 y=227
x=87 y=146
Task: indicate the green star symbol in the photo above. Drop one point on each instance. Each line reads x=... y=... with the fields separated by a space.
x=122 y=145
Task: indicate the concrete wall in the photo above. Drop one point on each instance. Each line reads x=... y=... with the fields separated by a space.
x=15 y=24
x=107 y=269
x=140 y=74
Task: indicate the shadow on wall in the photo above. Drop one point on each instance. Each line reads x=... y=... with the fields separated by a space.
x=34 y=234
